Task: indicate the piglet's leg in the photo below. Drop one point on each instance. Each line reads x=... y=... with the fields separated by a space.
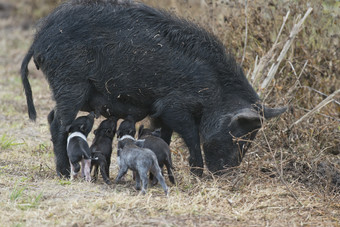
x=143 y=173
x=157 y=174
x=170 y=173
x=95 y=172
x=82 y=168
x=121 y=173
x=86 y=169
x=137 y=177
x=103 y=171
x=73 y=173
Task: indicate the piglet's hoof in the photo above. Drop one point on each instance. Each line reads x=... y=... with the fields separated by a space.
x=88 y=179
x=154 y=182
x=94 y=179
x=108 y=182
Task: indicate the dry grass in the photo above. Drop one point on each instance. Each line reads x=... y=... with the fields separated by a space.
x=290 y=177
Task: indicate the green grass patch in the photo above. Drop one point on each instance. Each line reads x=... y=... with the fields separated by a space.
x=31 y=202
x=7 y=142
x=17 y=192
x=64 y=182
x=23 y=200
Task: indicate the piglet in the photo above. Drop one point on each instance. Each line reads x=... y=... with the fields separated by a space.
x=101 y=148
x=161 y=149
x=77 y=147
x=127 y=127
x=132 y=155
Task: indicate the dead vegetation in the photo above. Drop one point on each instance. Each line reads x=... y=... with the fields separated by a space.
x=290 y=176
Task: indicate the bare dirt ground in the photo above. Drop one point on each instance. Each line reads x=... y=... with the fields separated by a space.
x=290 y=176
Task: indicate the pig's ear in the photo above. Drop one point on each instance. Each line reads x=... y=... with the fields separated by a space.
x=131 y=132
x=118 y=134
x=157 y=132
x=109 y=133
x=82 y=128
x=140 y=143
x=121 y=143
x=91 y=115
x=247 y=117
x=140 y=131
x=68 y=127
x=96 y=114
x=273 y=112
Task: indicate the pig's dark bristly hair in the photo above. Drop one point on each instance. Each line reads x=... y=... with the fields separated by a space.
x=152 y=60
x=192 y=41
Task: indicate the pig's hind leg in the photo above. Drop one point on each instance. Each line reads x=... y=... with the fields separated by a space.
x=73 y=173
x=104 y=171
x=122 y=171
x=137 y=177
x=86 y=169
x=143 y=174
x=156 y=171
x=170 y=173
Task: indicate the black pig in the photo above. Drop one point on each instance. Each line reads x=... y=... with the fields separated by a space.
x=127 y=127
x=106 y=106
x=101 y=148
x=132 y=155
x=148 y=58
x=160 y=148
x=77 y=147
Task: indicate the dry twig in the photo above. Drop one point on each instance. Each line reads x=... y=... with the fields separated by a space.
x=295 y=30
x=297 y=82
x=268 y=56
x=320 y=93
x=317 y=108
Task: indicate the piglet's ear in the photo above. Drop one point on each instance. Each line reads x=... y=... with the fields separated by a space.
x=140 y=130
x=131 y=132
x=120 y=144
x=68 y=128
x=109 y=133
x=140 y=143
x=118 y=134
x=91 y=115
x=82 y=128
x=157 y=132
